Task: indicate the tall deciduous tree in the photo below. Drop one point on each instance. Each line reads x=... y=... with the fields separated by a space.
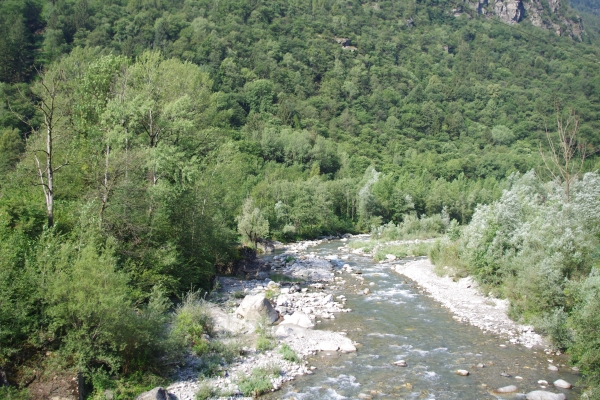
x=252 y=225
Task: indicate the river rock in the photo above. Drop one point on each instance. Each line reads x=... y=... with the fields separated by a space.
x=390 y=257
x=543 y=395
x=158 y=393
x=562 y=384
x=328 y=346
x=462 y=372
x=299 y=319
x=347 y=348
x=506 y=389
x=553 y=368
x=400 y=363
x=366 y=291
x=543 y=382
x=257 y=307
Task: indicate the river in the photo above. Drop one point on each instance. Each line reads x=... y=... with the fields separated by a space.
x=399 y=322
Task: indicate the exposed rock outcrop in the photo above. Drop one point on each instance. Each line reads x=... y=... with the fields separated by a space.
x=515 y=11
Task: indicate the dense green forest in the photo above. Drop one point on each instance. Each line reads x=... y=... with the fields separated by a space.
x=142 y=141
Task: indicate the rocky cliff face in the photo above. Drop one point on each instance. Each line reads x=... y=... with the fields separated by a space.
x=547 y=14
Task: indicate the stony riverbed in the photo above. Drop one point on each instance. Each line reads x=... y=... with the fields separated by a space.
x=313 y=308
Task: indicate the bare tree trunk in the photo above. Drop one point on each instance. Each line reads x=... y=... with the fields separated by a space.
x=567 y=155
x=105 y=184
x=48 y=108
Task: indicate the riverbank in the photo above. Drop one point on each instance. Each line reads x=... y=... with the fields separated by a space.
x=311 y=290
x=301 y=300
x=463 y=298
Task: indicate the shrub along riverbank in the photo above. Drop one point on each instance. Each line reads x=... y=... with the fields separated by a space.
x=540 y=247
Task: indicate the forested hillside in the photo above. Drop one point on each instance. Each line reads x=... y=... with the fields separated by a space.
x=142 y=141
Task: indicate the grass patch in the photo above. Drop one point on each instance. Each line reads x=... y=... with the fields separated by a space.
x=403 y=250
x=192 y=319
x=284 y=278
x=205 y=391
x=259 y=381
x=215 y=354
x=289 y=354
x=444 y=254
x=271 y=293
x=238 y=294
x=366 y=245
x=264 y=343
x=265 y=340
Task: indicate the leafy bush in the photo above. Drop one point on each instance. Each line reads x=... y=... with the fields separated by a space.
x=205 y=391
x=192 y=319
x=289 y=354
x=259 y=381
x=10 y=393
x=555 y=325
x=264 y=343
x=585 y=351
x=413 y=227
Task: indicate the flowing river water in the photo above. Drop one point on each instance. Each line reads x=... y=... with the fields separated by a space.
x=399 y=322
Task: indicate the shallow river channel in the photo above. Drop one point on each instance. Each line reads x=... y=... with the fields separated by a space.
x=399 y=322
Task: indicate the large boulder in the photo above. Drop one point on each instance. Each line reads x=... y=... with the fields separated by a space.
x=543 y=395
x=158 y=393
x=257 y=307
x=299 y=319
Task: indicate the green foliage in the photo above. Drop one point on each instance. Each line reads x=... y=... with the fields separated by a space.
x=401 y=250
x=251 y=223
x=205 y=391
x=186 y=123
x=192 y=319
x=277 y=277
x=289 y=354
x=10 y=393
x=264 y=343
x=259 y=381
x=413 y=228
x=539 y=248
x=585 y=351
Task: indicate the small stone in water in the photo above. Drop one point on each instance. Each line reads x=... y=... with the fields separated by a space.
x=562 y=384
x=542 y=382
x=462 y=372
x=552 y=368
x=400 y=363
x=366 y=291
x=520 y=378
x=480 y=365
x=506 y=389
